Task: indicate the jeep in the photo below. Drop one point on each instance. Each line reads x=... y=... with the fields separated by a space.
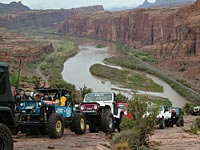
x=51 y=113
x=7 y=108
x=196 y=110
x=177 y=116
x=102 y=112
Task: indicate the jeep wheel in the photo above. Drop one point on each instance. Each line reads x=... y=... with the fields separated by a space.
x=55 y=126
x=162 y=124
x=182 y=122
x=79 y=123
x=6 y=140
x=107 y=123
x=93 y=128
x=178 y=123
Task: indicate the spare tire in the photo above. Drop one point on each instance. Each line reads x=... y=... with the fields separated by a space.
x=6 y=140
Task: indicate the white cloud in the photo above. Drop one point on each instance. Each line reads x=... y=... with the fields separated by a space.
x=56 y=4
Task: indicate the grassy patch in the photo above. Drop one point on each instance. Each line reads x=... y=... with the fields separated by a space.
x=126 y=78
x=160 y=101
x=100 y=46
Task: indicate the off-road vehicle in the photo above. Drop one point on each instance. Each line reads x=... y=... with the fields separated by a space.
x=164 y=117
x=101 y=111
x=7 y=108
x=196 y=110
x=50 y=113
x=176 y=116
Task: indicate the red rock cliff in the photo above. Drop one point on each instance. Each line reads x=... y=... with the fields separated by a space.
x=163 y=31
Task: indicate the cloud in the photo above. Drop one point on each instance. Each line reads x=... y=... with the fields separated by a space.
x=57 y=4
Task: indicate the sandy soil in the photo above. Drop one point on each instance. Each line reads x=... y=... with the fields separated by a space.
x=177 y=138
x=69 y=141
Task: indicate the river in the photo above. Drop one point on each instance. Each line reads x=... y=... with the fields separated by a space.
x=76 y=71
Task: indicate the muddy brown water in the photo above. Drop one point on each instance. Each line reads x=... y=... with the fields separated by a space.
x=76 y=71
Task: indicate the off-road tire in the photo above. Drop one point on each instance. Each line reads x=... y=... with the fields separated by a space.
x=168 y=123
x=6 y=140
x=55 y=126
x=162 y=124
x=93 y=128
x=79 y=123
x=106 y=120
x=178 y=123
x=182 y=122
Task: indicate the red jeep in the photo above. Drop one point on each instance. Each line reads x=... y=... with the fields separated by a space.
x=124 y=108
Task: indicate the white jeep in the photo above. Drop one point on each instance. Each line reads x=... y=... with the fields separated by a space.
x=164 y=117
x=101 y=111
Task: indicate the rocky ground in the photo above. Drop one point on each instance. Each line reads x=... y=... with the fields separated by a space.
x=71 y=141
x=177 y=138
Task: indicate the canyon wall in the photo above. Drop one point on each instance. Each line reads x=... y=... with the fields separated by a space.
x=41 y=18
x=163 y=31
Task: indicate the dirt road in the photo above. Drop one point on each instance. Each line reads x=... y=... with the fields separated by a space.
x=177 y=138
x=69 y=141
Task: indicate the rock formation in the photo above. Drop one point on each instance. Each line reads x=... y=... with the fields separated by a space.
x=41 y=18
x=13 y=7
x=166 y=3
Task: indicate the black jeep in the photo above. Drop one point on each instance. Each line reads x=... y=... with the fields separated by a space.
x=7 y=108
x=176 y=116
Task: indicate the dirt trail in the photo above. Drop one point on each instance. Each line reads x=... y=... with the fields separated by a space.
x=177 y=138
x=69 y=141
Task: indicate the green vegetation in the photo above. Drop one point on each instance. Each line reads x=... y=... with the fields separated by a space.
x=136 y=132
x=160 y=101
x=100 y=46
x=195 y=128
x=84 y=91
x=188 y=108
x=129 y=58
x=128 y=79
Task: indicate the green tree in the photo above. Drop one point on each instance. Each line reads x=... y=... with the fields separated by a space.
x=84 y=91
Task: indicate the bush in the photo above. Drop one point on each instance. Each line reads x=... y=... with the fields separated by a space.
x=195 y=128
x=84 y=91
x=188 y=107
x=122 y=98
x=137 y=130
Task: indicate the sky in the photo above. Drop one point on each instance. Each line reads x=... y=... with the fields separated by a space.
x=57 y=4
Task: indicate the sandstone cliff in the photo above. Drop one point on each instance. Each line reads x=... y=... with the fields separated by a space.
x=168 y=31
x=41 y=18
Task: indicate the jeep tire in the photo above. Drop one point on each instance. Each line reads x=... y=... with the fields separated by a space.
x=162 y=124
x=6 y=140
x=55 y=126
x=182 y=122
x=178 y=122
x=107 y=122
x=79 y=123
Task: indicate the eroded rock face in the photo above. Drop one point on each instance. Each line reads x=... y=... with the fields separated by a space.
x=42 y=18
x=163 y=31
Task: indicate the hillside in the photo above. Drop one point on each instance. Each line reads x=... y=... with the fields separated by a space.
x=166 y=3
x=169 y=34
x=13 y=7
x=41 y=18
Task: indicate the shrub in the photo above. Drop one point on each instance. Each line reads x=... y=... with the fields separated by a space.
x=84 y=91
x=137 y=130
x=195 y=128
x=188 y=107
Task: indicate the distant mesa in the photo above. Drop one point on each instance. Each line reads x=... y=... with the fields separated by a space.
x=13 y=7
x=165 y=3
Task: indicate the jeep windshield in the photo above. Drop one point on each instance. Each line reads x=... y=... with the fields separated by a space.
x=93 y=97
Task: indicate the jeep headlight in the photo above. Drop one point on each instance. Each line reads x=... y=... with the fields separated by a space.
x=39 y=104
x=82 y=107
x=95 y=106
x=21 y=104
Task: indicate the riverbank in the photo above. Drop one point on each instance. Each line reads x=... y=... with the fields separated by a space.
x=127 y=79
x=133 y=59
